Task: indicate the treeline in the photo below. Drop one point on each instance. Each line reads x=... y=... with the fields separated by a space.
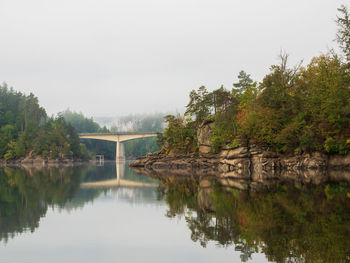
x=146 y=122
x=140 y=147
x=83 y=124
x=87 y=125
x=140 y=123
x=25 y=129
x=300 y=109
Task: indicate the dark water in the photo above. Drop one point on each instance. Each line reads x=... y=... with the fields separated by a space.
x=84 y=214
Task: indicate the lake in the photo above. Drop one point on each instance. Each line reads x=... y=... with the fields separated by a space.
x=89 y=213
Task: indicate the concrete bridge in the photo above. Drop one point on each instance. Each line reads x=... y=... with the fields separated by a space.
x=116 y=137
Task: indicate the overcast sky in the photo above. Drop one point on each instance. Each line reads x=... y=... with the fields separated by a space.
x=114 y=57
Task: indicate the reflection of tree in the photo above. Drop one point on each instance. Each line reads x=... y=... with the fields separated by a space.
x=288 y=224
x=81 y=198
x=26 y=195
x=221 y=223
x=311 y=223
x=99 y=173
x=182 y=194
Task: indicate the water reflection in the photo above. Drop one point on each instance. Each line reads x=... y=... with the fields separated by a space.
x=26 y=194
x=122 y=179
x=288 y=223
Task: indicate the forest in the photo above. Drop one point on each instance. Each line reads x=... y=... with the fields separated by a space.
x=292 y=110
x=25 y=129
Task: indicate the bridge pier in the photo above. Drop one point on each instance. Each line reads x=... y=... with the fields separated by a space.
x=119 y=151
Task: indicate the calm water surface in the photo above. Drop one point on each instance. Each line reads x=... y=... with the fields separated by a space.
x=94 y=214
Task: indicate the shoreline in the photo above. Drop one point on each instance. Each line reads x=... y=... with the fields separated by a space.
x=242 y=158
x=255 y=166
x=48 y=162
x=42 y=163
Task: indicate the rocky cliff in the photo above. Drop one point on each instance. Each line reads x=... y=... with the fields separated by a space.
x=254 y=165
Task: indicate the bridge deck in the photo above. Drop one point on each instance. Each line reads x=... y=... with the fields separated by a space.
x=120 y=133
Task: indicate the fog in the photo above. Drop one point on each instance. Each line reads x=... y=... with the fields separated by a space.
x=115 y=57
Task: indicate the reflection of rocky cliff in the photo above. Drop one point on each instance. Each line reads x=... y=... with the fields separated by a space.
x=255 y=165
x=288 y=223
x=26 y=194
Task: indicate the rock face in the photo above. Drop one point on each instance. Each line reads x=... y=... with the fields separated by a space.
x=164 y=162
x=203 y=136
x=256 y=166
x=342 y=161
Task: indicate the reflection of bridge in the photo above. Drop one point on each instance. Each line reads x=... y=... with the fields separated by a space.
x=118 y=182
x=116 y=137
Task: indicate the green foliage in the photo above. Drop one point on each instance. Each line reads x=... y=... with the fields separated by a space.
x=81 y=123
x=234 y=144
x=25 y=128
x=198 y=105
x=57 y=139
x=11 y=152
x=336 y=146
x=7 y=134
x=306 y=108
x=141 y=147
x=225 y=105
x=180 y=135
x=217 y=140
x=343 y=34
x=245 y=83
x=221 y=106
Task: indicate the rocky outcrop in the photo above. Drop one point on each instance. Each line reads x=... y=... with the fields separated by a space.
x=162 y=162
x=203 y=136
x=339 y=161
x=256 y=166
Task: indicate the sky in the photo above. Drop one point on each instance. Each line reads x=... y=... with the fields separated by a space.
x=116 y=57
